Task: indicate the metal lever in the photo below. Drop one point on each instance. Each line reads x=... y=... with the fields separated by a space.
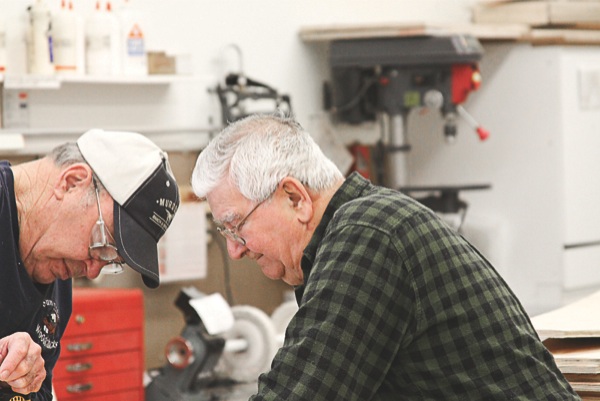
x=482 y=132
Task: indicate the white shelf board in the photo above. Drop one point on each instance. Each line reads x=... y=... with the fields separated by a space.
x=20 y=142
x=56 y=81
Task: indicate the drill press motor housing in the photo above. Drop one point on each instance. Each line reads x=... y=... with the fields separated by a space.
x=393 y=76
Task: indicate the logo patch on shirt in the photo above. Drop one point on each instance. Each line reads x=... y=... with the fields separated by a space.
x=19 y=398
x=46 y=329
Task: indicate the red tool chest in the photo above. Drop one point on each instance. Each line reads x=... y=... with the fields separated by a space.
x=102 y=350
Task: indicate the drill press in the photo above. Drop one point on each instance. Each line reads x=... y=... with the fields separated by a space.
x=383 y=79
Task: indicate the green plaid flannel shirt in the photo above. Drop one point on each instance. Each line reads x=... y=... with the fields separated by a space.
x=397 y=306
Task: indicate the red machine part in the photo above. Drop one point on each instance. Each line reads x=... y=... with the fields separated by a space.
x=482 y=132
x=179 y=352
x=465 y=79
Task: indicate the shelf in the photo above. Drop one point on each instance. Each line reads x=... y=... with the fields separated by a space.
x=178 y=117
x=326 y=33
x=484 y=31
x=20 y=142
x=56 y=81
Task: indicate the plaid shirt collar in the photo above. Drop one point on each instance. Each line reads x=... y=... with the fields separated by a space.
x=352 y=188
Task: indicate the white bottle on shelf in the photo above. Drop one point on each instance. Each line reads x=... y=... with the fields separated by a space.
x=39 y=40
x=115 y=45
x=134 y=57
x=64 y=34
x=2 y=46
x=80 y=42
x=98 y=49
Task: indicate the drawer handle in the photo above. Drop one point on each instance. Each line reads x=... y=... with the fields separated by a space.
x=79 y=388
x=79 y=367
x=79 y=347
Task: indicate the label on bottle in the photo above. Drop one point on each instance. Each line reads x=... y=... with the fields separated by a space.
x=135 y=42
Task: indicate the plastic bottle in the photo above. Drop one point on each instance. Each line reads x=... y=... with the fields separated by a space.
x=39 y=40
x=64 y=39
x=115 y=44
x=80 y=41
x=98 y=38
x=134 y=57
x=2 y=45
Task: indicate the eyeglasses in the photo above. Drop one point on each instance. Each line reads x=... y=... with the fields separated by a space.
x=232 y=233
x=102 y=244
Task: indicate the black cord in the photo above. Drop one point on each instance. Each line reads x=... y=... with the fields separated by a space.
x=357 y=98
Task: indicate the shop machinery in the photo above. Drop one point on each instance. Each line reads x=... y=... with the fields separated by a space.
x=383 y=79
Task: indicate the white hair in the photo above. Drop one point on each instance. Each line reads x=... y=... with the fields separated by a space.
x=68 y=154
x=257 y=152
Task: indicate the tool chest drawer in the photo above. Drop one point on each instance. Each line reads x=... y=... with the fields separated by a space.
x=102 y=350
x=83 y=365
x=80 y=387
x=107 y=342
x=120 y=396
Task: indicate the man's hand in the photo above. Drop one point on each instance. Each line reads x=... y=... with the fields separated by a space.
x=21 y=363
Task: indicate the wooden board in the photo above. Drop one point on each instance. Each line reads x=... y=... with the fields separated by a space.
x=578 y=319
x=582 y=378
x=586 y=387
x=576 y=355
x=362 y=31
x=523 y=12
x=385 y=30
x=587 y=396
x=482 y=31
x=562 y=37
x=539 y=13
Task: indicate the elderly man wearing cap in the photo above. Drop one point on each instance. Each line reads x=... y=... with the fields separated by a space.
x=96 y=204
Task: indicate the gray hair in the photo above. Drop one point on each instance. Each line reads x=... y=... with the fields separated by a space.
x=67 y=154
x=257 y=152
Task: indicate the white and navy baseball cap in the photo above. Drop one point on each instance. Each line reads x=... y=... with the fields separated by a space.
x=137 y=174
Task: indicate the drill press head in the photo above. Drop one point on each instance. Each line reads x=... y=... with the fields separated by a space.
x=395 y=75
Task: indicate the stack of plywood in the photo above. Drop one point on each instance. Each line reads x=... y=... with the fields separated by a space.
x=572 y=334
x=551 y=21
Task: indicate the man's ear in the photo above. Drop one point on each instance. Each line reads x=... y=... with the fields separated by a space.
x=298 y=197
x=75 y=176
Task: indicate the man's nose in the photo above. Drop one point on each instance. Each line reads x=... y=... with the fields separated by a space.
x=235 y=249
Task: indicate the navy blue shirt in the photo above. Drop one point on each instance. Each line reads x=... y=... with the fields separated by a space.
x=40 y=310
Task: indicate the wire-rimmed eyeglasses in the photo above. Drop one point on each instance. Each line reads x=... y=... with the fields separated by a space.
x=102 y=244
x=233 y=233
